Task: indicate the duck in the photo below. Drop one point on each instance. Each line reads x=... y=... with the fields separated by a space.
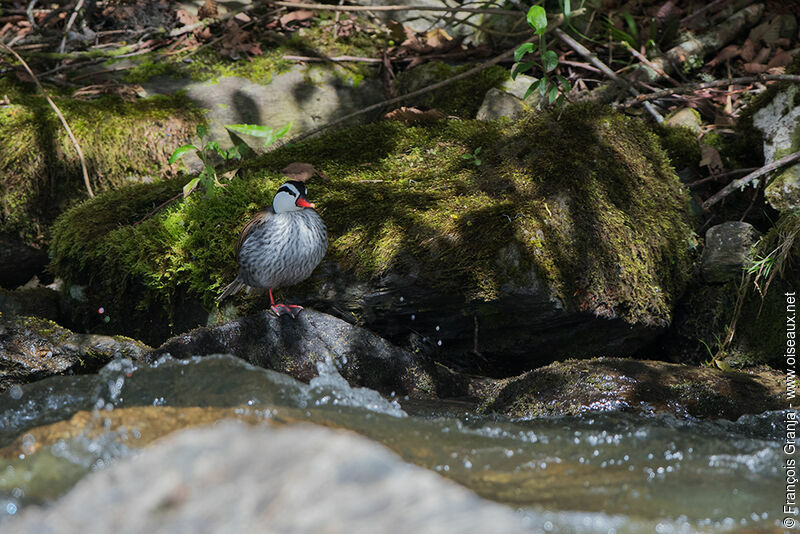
x=280 y=246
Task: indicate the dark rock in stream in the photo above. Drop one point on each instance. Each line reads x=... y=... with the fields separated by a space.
x=644 y=386
x=32 y=348
x=295 y=346
x=232 y=478
x=20 y=263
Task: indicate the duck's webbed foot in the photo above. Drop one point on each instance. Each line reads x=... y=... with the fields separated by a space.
x=286 y=309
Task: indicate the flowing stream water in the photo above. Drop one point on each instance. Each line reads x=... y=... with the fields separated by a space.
x=599 y=472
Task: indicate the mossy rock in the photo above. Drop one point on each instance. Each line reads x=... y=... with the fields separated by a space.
x=574 y=222
x=601 y=384
x=41 y=172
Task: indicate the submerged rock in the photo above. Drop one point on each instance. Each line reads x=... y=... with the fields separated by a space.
x=33 y=348
x=318 y=480
x=650 y=387
x=296 y=346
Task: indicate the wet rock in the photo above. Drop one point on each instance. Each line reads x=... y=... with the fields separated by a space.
x=20 y=263
x=727 y=251
x=650 y=387
x=779 y=121
x=319 y=480
x=295 y=346
x=33 y=348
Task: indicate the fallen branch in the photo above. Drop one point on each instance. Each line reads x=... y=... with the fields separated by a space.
x=445 y=9
x=554 y=24
x=338 y=59
x=741 y=182
x=794 y=78
x=594 y=60
x=60 y=116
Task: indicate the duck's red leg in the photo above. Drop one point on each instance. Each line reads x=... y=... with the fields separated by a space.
x=283 y=309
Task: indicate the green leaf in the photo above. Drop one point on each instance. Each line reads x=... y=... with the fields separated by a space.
x=519 y=68
x=537 y=18
x=191 y=186
x=530 y=90
x=250 y=129
x=560 y=101
x=564 y=83
x=283 y=131
x=477 y=150
x=634 y=29
x=551 y=96
x=180 y=151
x=524 y=48
x=467 y=156
x=543 y=83
x=550 y=60
x=478 y=162
x=567 y=7
x=202 y=130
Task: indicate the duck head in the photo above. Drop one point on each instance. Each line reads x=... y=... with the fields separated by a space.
x=291 y=196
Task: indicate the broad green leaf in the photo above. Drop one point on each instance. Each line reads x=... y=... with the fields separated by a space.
x=537 y=18
x=478 y=162
x=530 y=90
x=477 y=150
x=564 y=83
x=525 y=48
x=543 y=83
x=202 y=130
x=550 y=60
x=180 y=151
x=567 y=5
x=250 y=129
x=467 y=156
x=191 y=186
x=634 y=29
x=519 y=68
x=551 y=96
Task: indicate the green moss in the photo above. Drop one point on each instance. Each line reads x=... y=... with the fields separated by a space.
x=40 y=169
x=585 y=201
x=462 y=98
x=315 y=41
x=681 y=146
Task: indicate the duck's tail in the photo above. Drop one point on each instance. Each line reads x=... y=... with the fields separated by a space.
x=231 y=289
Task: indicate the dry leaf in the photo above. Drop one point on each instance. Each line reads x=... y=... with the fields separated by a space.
x=748 y=50
x=296 y=16
x=754 y=68
x=729 y=52
x=302 y=172
x=782 y=58
x=762 y=55
x=208 y=10
x=415 y=116
x=710 y=157
x=396 y=31
x=185 y=18
x=438 y=38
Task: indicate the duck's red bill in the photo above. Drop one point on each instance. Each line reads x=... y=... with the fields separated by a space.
x=303 y=203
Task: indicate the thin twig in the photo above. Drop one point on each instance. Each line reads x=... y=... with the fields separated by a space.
x=68 y=27
x=60 y=116
x=741 y=182
x=641 y=57
x=158 y=208
x=716 y=177
x=445 y=9
x=716 y=83
x=594 y=60
x=553 y=25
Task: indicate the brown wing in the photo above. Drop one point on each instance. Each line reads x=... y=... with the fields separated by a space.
x=258 y=219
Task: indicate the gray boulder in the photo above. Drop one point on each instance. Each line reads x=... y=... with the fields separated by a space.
x=727 y=251
x=295 y=346
x=498 y=104
x=235 y=478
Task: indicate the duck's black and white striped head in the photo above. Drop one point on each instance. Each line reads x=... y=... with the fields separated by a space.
x=291 y=196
